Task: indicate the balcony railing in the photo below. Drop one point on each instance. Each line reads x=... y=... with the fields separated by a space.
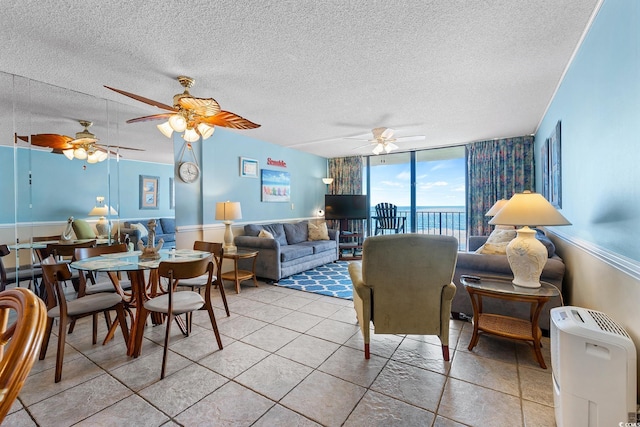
x=445 y=223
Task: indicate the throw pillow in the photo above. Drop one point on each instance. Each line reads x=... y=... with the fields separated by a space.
x=551 y=248
x=497 y=242
x=141 y=228
x=318 y=232
x=265 y=234
x=83 y=229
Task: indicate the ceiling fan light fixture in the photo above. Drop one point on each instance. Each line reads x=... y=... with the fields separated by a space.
x=102 y=156
x=190 y=135
x=178 y=123
x=378 y=149
x=68 y=153
x=166 y=129
x=205 y=130
x=92 y=158
x=80 y=153
x=389 y=146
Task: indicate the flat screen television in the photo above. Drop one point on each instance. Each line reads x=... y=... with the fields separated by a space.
x=345 y=206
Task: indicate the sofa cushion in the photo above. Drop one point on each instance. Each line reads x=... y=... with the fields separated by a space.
x=497 y=242
x=318 y=232
x=321 y=245
x=292 y=252
x=551 y=248
x=277 y=230
x=168 y=225
x=296 y=233
x=83 y=229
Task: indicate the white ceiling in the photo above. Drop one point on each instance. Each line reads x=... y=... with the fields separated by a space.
x=310 y=72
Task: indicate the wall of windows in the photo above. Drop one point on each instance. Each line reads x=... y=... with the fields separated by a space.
x=427 y=186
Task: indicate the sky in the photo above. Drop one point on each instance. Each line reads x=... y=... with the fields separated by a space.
x=438 y=183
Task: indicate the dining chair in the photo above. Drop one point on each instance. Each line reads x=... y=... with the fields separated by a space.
x=65 y=311
x=175 y=303
x=16 y=275
x=21 y=341
x=198 y=283
x=64 y=252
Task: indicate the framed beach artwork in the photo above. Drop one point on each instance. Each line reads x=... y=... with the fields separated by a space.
x=544 y=166
x=248 y=168
x=149 y=192
x=276 y=186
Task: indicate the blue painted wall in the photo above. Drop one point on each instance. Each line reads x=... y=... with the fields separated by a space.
x=219 y=159
x=598 y=104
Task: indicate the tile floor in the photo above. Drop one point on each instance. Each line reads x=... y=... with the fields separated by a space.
x=290 y=358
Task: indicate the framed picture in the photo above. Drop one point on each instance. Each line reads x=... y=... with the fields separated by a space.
x=149 y=192
x=276 y=186
x=248 y=168
x=544 y=160
x=172 y=194
x=555 y=168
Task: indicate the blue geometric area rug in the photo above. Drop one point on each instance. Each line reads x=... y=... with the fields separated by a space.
x=330 y=279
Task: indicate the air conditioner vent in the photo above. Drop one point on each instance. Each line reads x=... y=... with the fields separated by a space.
x=607 y=324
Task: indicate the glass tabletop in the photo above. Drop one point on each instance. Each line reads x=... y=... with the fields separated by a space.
x=131 y=261
x=506 y=287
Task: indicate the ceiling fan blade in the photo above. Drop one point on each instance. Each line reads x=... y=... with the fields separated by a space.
x=51 y=140
x=200 y=106
x=143 y=99
x=387 y=133
x=149 y=118
x=229 y=120
x=410 y=138
x=103 y=147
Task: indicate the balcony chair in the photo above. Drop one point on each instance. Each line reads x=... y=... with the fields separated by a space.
x=403 y=285
x=16 y=275
x=175 y=303
x=24 y=338
x=387 y=219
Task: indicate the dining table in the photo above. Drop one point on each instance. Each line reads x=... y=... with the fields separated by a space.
x=145 y=283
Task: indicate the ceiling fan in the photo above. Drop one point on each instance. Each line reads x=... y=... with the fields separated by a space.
x=83 y=147
x=194 y=116
x=383 y=140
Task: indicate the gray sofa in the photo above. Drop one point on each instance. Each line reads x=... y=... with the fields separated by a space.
x=471 y=263
x=165 y=229
x=289 y=252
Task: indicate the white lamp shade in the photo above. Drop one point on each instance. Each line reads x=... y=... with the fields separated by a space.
x=228 y=211
x=177 y=123
x=327 y=180
x=166 y=129
x=496 y=207
x=205 y=130
x=530 y=209
x=102 y=211
x=68 y=153
x=190 y=135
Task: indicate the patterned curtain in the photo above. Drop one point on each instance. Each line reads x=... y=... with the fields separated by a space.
x=347 y=179
x=496 y=170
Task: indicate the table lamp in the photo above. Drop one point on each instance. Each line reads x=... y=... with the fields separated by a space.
x=102 y=210
x=227 y=212
x=526 y=255
x=496 y=207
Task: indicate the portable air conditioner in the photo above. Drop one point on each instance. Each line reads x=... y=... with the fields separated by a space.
x=593 y=362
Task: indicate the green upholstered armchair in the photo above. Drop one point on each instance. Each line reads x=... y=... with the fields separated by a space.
x=403 y=285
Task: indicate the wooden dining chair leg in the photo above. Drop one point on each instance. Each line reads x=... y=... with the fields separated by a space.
x=45 y=339
x=166 y=344
x=224 y=298
x=62 y=337
x=72 y=326
x=214 y=324
x=94 y=319
x=121 y=318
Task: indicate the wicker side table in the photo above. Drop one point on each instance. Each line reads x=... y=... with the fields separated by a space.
x=506 y=326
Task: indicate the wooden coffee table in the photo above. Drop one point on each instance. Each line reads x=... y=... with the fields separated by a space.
x=236 y=275
x=507 y=326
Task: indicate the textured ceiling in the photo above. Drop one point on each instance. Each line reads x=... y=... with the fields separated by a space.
x=310 y=72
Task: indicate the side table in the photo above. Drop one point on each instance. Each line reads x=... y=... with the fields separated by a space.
x=236 y=275
x=506 y=326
